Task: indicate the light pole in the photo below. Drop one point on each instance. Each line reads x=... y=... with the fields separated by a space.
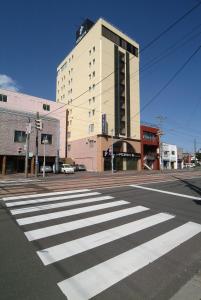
x=45 y=141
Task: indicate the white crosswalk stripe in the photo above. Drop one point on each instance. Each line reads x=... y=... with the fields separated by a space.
x=58 y=205
x=101 y=276
x=93 y=281
x=58 y=198
x=66 y=213
x=65 y=250
x=44 y=232
x=44 y=194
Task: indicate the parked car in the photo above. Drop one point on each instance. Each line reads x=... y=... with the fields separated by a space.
x=81 y=168
x=48 y=169
x=67 y=169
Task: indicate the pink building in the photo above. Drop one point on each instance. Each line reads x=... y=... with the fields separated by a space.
x=15 y=109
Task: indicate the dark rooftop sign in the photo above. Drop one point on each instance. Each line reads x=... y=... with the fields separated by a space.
x=83 y=29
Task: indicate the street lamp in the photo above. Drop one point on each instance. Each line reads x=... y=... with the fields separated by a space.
x=44 y=141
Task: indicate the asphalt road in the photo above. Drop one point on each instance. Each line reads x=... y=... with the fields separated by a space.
x=144 y=243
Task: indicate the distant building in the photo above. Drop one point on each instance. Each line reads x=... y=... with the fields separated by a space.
x=95 y=80
x=16 y=110
x=150 y=147
x=168 y=156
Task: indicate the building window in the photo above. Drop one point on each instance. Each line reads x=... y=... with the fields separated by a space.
x=46 y=107
x=93 y=112
x=89 y=64
x=173 y=152
x=89 y=76
x=94 y=48
x=89 y=88
x=69 y=147
x=93 y=99
x=89 y=52
x=20 y=136
x=94 y=73
x=47 y=138
x=94 y=86
x=69 y=134
x=89 y=113
x=89 y=101
x=3 y=98
x=94 y=61
x=91 y=128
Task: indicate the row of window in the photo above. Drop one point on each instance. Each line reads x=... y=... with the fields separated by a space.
x=3 y=98
x=92 y=50
x=91 y=113
x=92 y=75
x=92 y=87
x=115 y=38
x=90 y=130
x=92 y=100
x=93 y=62
x=20 y=137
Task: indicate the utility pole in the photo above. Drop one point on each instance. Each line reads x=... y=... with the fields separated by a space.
x=36 y=161
x=112 y=158
x=161 y=119
x=195 y=146
x=28 y=131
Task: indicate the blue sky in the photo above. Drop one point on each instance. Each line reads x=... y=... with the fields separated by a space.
x=37 y=35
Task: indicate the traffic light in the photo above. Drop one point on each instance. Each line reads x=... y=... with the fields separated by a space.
x=39 y=124
x=19 y=150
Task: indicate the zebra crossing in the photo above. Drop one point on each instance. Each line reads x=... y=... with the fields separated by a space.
x=48 y=216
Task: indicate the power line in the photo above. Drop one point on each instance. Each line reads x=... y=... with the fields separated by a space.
x=143 y=49
x=169 y=81
x=170 y=27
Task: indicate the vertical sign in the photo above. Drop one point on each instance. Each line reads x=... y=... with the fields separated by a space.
x=104 y=129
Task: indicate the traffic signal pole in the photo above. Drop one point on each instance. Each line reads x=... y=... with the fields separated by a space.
x=36 y=156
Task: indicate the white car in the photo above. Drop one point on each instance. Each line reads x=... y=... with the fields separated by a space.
x=67 y=169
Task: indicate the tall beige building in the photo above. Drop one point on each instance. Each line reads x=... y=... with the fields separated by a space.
x=99 y=82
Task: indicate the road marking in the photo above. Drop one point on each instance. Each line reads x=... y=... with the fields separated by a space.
x=165 y=192
x=25 y=202
x=45 y=194
x=95 y=280
x=57 y=205
x=70 y=212
x=69 y=226
x=68 y=249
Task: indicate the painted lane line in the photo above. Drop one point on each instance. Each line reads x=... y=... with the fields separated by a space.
x=26 y=202
x=69 y=226
x=165 y=192
x=95 y=280
x=44 y=194
x=52 y=254
x=58 y=205
x=70 y=212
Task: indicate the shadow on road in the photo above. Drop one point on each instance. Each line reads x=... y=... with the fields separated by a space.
x=192 y=187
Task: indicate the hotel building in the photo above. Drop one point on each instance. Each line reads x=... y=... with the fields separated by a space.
x=99 y=82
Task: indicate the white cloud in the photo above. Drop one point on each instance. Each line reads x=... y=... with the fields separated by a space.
x=8 y=83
